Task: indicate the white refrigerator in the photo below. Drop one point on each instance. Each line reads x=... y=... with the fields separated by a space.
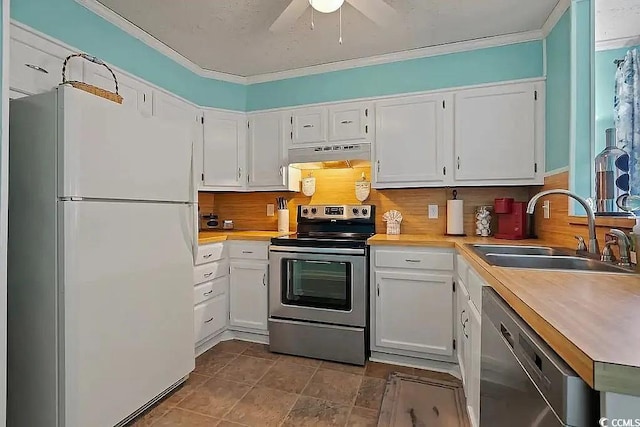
x=102 y=235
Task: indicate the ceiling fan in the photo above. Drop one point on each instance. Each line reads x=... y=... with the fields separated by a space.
x=376 y=10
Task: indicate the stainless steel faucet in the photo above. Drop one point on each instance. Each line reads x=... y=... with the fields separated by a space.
x=623 y=242
x=591 y=218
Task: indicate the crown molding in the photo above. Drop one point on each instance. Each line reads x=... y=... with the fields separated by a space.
x=617 y=43
x=555 y=16
x=400 y=56
x=137 y=32
x=112 y=17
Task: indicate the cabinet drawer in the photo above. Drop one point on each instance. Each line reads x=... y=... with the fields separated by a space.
x=207 y=272
x=32 y=70
x=461 y=268
x=414 y=260
x=210 y=253
x=210 y=317
x=208 y=290
x=249 y=251
x=474 y=285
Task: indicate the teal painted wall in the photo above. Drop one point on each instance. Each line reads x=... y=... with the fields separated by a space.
x=73 y=24
x=581 y=180
x=605 y=76
x=558 y=103
x=518 y=61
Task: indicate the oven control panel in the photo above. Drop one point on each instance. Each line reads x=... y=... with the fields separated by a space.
x=341 y=212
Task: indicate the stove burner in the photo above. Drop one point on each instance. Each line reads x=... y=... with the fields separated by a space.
x=331 y=227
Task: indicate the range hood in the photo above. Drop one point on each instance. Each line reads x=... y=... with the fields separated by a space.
x=336 y=156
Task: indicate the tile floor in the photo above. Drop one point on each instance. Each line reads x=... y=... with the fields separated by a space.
x=242 y=384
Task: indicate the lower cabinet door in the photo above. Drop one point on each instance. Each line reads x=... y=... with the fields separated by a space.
x=210 y=317
x=414 y=312
x=248 y=294
x=462 y=325
x=473 y=364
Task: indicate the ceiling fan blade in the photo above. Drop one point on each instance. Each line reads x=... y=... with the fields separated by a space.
x=376 y=10
x=290 y=15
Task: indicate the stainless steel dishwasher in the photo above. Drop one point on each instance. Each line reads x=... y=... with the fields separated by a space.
x=523 y=382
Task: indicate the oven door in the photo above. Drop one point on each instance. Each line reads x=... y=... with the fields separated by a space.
x=318 y=287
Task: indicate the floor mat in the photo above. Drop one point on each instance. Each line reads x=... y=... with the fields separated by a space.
x=411 y=401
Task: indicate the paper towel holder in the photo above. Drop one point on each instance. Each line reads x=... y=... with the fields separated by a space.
x=455 y=197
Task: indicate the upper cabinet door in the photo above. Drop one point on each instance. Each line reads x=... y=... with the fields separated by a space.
x=349 y=122
x=36 y=70
x=171 y=108
x=224 y=149
x=134 y=94
x=266 y=150
x=309 y=125
x=409 y=143
x=496 y=133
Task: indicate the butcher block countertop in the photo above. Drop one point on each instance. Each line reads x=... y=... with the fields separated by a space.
x=205 y=237
x=592 y=320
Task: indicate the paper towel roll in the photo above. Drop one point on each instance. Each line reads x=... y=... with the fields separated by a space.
x=455 y=217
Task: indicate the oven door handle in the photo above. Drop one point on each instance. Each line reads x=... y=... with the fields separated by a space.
x=307 y=250
x=317 y=262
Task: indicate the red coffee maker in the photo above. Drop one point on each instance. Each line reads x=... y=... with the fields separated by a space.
x=512 y=219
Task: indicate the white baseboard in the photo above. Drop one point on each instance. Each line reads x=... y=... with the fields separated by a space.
x=227 y=335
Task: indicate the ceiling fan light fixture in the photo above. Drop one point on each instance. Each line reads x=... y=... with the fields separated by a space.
x=326 y=6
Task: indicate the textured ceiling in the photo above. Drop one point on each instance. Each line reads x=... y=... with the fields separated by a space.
x=232 y=36
x=618 y=19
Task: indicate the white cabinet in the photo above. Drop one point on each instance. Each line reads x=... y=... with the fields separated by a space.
x=462 y=326
x=409 y=147
x=210 y=292
x=267 y=166
x=224 y=153
x=249 y=294
x=171 y=108
x=309 y=125
x=35 y=66
x=412 y=302
x=210 y=317
x=499 y=134
x=135 y=95
x=413 y=312
x=473 y=360
x=349 y=122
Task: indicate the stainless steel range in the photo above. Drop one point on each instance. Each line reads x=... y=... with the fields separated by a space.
x=319 y=281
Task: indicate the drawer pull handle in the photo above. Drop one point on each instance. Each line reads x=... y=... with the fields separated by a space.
x=207 y=321
x=207 y=256
x=413 y=260
x=247 y=252
x=346 y=122
x=208 y=274
x=37 y=68
x=307 y=126
x=208 y=293
x=461 y=315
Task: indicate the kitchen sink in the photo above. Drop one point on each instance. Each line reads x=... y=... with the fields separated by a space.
x=541 y=257
x=518 y=250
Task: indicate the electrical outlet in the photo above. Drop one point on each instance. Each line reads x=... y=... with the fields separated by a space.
x=546 y=209
x=433 y=211
x=271 y=209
